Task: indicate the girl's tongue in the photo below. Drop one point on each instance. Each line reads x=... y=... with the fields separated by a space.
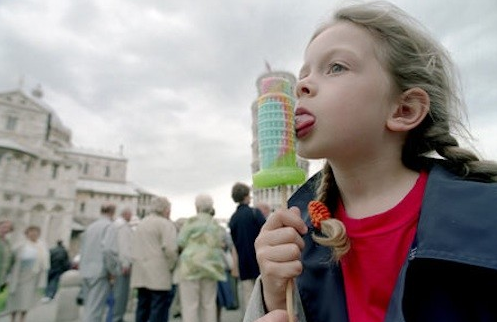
x=303 y=120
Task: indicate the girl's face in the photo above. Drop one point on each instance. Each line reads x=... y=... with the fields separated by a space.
x=344 y=96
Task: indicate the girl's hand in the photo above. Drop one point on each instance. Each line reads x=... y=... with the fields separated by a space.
x=274 y=316
x=278 y=248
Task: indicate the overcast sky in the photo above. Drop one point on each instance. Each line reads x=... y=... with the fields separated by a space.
x=173 y=80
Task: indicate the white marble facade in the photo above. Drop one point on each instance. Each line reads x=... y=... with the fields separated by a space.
x=47 y=182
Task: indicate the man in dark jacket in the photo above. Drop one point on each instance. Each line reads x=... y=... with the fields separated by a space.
x=245 y=225
x=59 y=263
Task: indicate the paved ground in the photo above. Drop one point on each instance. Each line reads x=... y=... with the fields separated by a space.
x=46 y=313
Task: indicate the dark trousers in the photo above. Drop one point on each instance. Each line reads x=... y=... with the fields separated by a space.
x=52 y=284
x=153 y=306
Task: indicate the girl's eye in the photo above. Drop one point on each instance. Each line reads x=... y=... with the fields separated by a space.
x=334 y=68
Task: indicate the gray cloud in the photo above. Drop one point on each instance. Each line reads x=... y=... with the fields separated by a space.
x=173 y=81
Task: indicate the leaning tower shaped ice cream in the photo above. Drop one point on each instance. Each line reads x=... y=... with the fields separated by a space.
x=276 y=134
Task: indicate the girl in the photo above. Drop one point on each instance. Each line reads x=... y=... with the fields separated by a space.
x=410 y=233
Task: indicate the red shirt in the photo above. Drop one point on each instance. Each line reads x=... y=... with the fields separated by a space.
x=379 y=247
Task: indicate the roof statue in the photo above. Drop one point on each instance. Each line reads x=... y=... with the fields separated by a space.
x=268 y=67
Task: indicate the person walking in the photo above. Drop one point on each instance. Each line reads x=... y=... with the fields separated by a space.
x=59 y=263
x=6 y=260
x=117 y=254
x=245 y=224
x=28 y=275
x=97 y=276
x=201 y=263
x=6 y=255
x=154 y=252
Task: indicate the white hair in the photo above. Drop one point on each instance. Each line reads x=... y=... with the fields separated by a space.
x=159 y=205
x=204 y=203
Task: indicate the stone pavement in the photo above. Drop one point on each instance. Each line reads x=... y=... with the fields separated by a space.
x=66 y=297
x=46 y=313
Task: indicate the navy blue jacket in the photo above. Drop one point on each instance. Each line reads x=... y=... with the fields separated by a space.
x=245 y=225
x=451 y=270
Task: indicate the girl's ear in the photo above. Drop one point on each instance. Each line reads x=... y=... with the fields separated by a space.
x=411 y=110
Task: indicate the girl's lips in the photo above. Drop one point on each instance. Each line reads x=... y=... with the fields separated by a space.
x=304 y=122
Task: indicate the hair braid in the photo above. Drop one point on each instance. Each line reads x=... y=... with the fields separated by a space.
x=461 y=161
x=334 y=232
x=326 y=178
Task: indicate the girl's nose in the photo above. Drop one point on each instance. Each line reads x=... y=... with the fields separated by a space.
x=303 y=88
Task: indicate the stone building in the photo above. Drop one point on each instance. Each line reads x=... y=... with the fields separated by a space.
x=101 y=179
x=47 y=182
x=144 y=202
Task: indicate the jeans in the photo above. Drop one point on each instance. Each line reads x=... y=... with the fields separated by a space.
x=120 y=291
x=153 y=306
x=53 y=284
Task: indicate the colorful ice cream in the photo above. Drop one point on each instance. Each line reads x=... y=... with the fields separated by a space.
x=276 y=134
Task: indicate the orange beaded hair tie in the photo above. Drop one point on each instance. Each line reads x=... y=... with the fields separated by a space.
x=318 y=212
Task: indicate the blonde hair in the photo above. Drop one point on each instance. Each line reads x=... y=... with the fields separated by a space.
x=413 y=59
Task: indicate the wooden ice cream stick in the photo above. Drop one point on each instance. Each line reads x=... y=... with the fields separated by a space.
x=289 y=300
x=289 y=285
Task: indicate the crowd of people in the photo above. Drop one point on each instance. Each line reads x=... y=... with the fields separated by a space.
x=194 y=262
x=189 y=268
